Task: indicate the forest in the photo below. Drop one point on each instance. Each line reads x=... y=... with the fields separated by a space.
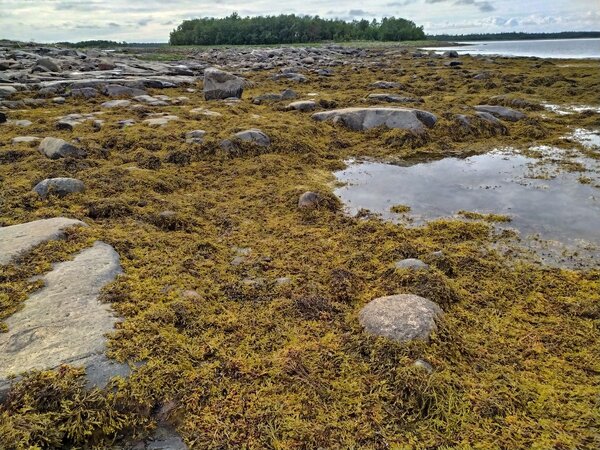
x=289 y=29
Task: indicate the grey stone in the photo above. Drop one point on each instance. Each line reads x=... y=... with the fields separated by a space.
x=7 y=91
x=385 y=85
x=2 y=117
x=411 y=263
x=451 y=54
x=55 y=148
x=48 y=64
x=58 y=186
x=288 y=94
x=219 y=84
x=422 y=364
x=160 y=121
x=359 y=119
x=402 y=317
x=59 y=100
x=392 y=98
x=64 y=323
x=309 y=200
x=116 y=90
x=501 y=112
x=195 y=137
x=84 y=92
x=21 y=123
x=303 y=105
x=16 y=240
x=253 y=135
x=25 y=139
x=116 y=104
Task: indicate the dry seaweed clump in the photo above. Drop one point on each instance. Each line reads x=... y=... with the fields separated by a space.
x=241 y=308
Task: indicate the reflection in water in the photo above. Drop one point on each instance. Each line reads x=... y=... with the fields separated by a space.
x=560 y=208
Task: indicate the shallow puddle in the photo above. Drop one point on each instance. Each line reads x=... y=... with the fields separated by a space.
x=558 y=208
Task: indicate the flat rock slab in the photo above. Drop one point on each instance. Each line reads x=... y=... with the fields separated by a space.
x=19 y=239
x=64 y=323
x=359 y=119
x=402 y=317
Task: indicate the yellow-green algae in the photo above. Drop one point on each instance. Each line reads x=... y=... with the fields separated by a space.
x=252 y=363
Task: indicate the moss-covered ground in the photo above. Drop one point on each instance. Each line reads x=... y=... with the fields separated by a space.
x=250 y=361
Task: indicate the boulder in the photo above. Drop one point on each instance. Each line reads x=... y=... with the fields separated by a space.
x=116 y=90
x=17 y=240
x=2 y=117
x=219 y=85
x=309 y=200
x=359 y=119
x=58 y=186
x=84 y=92
x=402 y=317
x=385 y=85
x=49 y=64
x=65 y=322
x=501 y=112
x=160 y=121
x=55 y=148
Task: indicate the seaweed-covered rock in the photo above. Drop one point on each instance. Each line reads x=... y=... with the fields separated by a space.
x=359 y=119
x=55 y=148
x=402 y=317
x=58 y=186
x=219 y=85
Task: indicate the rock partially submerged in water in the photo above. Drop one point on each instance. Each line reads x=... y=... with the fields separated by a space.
x=58 y=186
x=55 y=148
x=16 y=240
x=501 y=112
x=360 y=119
x=64 y=323
x=402 y=317
x=219 y=85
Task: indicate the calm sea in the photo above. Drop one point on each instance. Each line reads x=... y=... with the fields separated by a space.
x=554 y=48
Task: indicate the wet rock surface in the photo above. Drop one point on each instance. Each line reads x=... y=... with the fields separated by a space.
x=360 y=119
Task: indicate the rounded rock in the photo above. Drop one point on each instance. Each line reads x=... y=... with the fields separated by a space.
x=402 y=317
x=58 y=186
x=309 y=200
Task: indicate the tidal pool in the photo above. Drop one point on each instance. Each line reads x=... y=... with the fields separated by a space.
x=543 y=199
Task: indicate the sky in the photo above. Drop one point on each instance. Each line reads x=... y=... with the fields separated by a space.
x=153 y=20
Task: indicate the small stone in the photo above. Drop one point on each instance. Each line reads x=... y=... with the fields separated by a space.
x=195 y=137
x=22 y=123
x=422 y=364
x=25 y=139
x=116 y=104
x=303 y=105
x=2 y=117
x=411 y=263
x=253 y=135
x=58 y=186
x=59 y=100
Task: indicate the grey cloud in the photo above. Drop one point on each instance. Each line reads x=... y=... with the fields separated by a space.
x=358 y=12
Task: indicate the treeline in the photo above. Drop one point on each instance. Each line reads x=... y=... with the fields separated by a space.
x=290 y=29
x=515 y=36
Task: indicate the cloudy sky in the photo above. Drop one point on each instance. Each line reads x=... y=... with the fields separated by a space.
x=152 y=20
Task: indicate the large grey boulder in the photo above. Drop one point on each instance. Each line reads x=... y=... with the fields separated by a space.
x=402 y=317
x=501 y=112
x=219 y=84
x=48 y=64
x=359 y=119
x=55 y=148
x=58 y=186
x=17 y=240
x=64 y=323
